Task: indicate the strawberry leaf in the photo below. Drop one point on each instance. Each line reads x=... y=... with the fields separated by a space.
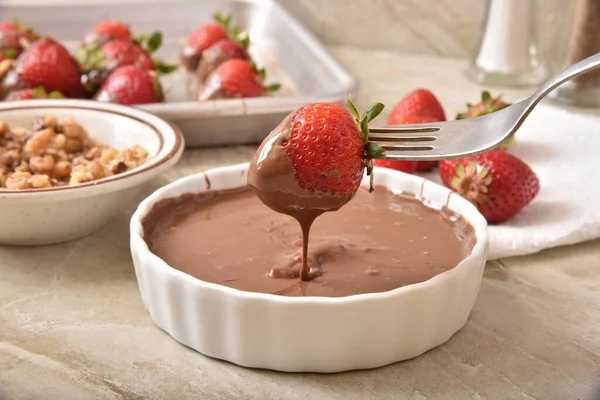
x=486 y=99
x=243 y=39
x=55 y=94
x=164 y=68
x=373 y=111
x=39 y=93
x=364 y=128
x=273 y=87
x=353 y=110
x=9 y=53
x=154 y=41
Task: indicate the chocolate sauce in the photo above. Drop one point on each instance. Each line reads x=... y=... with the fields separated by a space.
x=272 y=177
x=211 y=88
x=190 y=58
x=211 y=59
x=378 y=242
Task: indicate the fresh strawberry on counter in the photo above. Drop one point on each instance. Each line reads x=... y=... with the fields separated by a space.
x=497 y=182
x=419 y=106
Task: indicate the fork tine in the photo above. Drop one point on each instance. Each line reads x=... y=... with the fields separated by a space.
x=402 y=149
x=404 y=128
x=408 y=133
x=402 y=139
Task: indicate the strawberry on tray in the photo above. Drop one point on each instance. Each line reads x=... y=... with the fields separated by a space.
x=109 y=46
x=217 y=54
x=47 y=64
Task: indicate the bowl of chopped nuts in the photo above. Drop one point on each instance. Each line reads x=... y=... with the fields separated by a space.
x=68 y=166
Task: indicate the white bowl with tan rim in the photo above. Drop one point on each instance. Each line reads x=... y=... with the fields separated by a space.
x=308 y=334
x=52 y=215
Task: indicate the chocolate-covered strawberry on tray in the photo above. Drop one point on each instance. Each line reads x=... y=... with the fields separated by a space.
x=216 y=69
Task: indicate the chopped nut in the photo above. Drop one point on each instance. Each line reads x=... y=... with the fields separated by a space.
x=80 y=175
x=73 y=145
x=72 y=129
x=55 y=154
x=10 y=158
x=108 y=154
x=39 y=182
x=93 y=153
x=62 y=170
x=118 y=168
x=96 y=169
x=42 y=165
x=3 y=128
x=18 y=181
x=39 y=141
x=59 y=142
x=23 y=167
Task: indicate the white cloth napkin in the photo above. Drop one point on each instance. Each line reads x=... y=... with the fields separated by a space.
x=563 y=149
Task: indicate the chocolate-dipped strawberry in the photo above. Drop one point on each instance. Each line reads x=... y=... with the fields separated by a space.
x=218 y=53
x=130 y=84
x=14 y=39
x=97 y=62
x=314 y=162
x=105 y=31
x=235 y=78
x=206 y=36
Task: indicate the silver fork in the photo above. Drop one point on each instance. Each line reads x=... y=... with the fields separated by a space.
x=460 y=138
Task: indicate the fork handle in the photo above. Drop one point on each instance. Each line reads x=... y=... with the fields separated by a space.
x=580 y=68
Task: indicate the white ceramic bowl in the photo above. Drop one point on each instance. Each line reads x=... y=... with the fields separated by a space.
x=308 y=334
x=44 y=216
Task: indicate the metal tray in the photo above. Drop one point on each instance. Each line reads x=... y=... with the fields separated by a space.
x=289 y=52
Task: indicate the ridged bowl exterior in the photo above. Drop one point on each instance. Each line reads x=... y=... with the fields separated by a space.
x=308 y=334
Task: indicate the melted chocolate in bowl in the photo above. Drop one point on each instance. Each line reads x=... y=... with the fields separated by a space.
x=377 y=242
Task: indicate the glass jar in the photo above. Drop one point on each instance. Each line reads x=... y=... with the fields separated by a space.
x=584 y=41
x=508 y=53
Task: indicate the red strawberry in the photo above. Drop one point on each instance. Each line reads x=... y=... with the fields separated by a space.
x=13 y=39
x=209 y=34
x=328 y=149
x=37 y=93
x=420 y=106
x=420 y=166
x=23 y=31
x=48 y=64
x=487 y=105
x=235 y=78
x=131 y=85
x=206 y=35
x=98 y=62
x=121 y=52
x=498 y=183
x=420 y=102
x=104 y=31
x=232 y=48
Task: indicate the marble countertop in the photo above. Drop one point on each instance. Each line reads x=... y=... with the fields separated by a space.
x=72 y=324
